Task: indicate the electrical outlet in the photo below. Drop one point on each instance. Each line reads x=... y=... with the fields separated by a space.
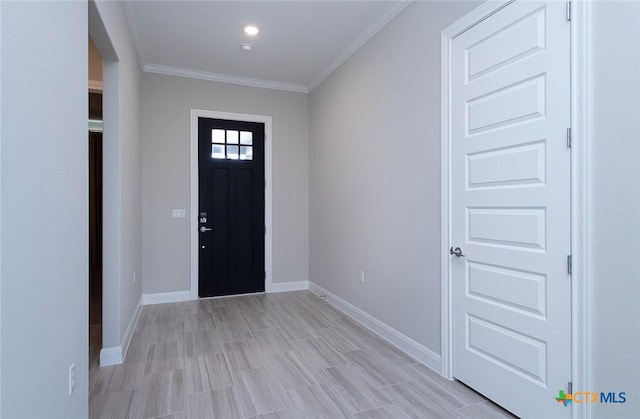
x=72 y=378
x=362 y=277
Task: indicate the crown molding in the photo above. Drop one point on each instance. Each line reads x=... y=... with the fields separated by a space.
x=224 y=78
x=360 y=41
x=397 y=7
x=134 y=34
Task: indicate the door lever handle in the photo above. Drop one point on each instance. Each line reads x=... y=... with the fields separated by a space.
x=204 y=229
x=457 y=251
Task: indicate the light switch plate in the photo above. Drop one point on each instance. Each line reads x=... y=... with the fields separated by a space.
x=178 y=213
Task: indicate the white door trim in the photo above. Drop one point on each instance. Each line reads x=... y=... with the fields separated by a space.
x=581 y=109
x=268 y=168
x=582 y=279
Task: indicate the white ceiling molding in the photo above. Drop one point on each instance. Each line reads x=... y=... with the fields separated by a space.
x=134 y=34
x=202 y=75
x=355 y=46
x=224 y=78
x=255 y=82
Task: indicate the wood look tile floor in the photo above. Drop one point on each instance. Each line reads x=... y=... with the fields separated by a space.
x=286 y=355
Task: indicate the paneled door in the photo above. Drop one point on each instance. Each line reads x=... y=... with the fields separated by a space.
x=231 y=216
x=510 y=207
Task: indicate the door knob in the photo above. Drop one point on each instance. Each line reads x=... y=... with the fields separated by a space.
x=457 y=251
x=204 y=229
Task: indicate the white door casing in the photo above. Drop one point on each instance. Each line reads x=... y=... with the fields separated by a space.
x=194 y=199
x=510 y=207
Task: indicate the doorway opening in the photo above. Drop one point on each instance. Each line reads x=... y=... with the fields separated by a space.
x=95 y=205
x=474 y=276
x=196 y=114
x=231 y=207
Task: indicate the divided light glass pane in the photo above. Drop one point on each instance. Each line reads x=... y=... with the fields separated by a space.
x=246 y=137
x=217 y=136
x=232 y=137
x=246 y=153
x=217 y=151
x=232 y=152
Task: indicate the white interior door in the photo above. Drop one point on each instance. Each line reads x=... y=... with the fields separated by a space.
x=510 y=213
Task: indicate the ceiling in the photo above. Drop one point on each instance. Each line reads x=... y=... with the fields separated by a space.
x=300 y=42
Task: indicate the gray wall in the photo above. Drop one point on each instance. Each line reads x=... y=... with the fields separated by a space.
x=166 y=105
x=375 y=184
x=616 y=204
x=375 y=174
x=122 y=188
x=44 y=209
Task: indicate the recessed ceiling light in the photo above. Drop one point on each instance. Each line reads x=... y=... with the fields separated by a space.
x=251 y=30
x=246 y=47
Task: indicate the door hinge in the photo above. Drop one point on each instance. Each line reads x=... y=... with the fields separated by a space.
x=265 y=229
x=264 y=276
x=568 y=12
x=569 y=138
x=569 y=263
x=569 y=387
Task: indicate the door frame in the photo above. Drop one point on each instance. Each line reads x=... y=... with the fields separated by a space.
x=581 y=111
x=195 y=197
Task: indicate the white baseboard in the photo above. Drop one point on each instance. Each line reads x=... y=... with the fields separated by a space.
x=166 y=297
x=131 y=327
x=403 y=342
x=115 y=355
x=177 y=296
x=111 y=356
x=289 y=286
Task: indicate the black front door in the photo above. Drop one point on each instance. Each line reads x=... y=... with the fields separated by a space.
x=231 y=209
